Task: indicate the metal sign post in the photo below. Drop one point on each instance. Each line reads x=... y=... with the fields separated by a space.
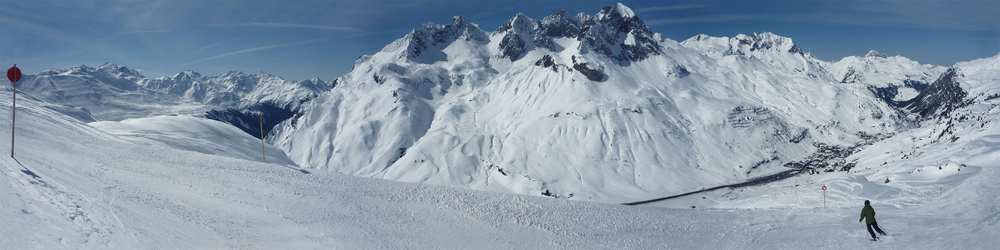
x=14 y=75
x=261 y=116
x=824 y=196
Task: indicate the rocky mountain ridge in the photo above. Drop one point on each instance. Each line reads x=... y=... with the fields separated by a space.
x=588 y=107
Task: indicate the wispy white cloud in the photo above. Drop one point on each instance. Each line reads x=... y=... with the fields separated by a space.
x=376 y=33
x=961 y=15
x=669 y=7
x=199 y=50
x=257 y=49
x=139 y=32
x=293 y=25
x=703 y=19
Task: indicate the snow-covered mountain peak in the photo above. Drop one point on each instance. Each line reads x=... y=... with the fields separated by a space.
x=979 y=64
x=425 y=45
x=560 y=24
x=768 y=41
x=459 y=27
x=520 y=23
x=120 y=77
x=315 y=84
x=108 y=69
x=84 y=68
x=120 y=71
x=184 y=75
x=616 y=32
x=560 y=16
x=893 y=78
x=235 y=73
x=619 y=10
x=876 y=54
x=743 y=45
x=518 y=36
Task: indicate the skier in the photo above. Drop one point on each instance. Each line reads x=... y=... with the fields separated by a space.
x=868 y=214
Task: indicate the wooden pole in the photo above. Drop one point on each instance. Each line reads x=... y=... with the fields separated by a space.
x=261 y=137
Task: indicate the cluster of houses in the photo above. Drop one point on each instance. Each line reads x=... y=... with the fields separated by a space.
x=827 y=158
x=831 y=158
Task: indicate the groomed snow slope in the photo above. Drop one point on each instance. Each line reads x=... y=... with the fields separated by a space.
x=72 y=186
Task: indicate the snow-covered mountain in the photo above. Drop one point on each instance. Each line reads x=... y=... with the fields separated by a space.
x=895 y=79
x=112 y=92
x=590 y=107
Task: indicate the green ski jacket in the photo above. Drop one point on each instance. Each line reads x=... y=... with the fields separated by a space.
x=868 y=213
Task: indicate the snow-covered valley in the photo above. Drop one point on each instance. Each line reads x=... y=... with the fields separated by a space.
x=529 y=137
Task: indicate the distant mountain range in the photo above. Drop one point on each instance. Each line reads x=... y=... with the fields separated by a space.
x=113 y=92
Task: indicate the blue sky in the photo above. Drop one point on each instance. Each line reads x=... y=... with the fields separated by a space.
x=299 y=39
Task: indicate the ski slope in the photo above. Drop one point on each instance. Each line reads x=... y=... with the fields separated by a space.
x=157 y=183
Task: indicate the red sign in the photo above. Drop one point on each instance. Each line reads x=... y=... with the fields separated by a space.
x=14 y=74
x=824 y=188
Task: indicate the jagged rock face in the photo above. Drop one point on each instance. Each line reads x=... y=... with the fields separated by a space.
x=618 y=34
x=940 y=98
x=547 y=62
x=742 y=44
x=615 y=32
x=458 y=28
x=558 y=25
x=418 y=42
x=516 y=31
x=591 y=73
x=521 y=33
